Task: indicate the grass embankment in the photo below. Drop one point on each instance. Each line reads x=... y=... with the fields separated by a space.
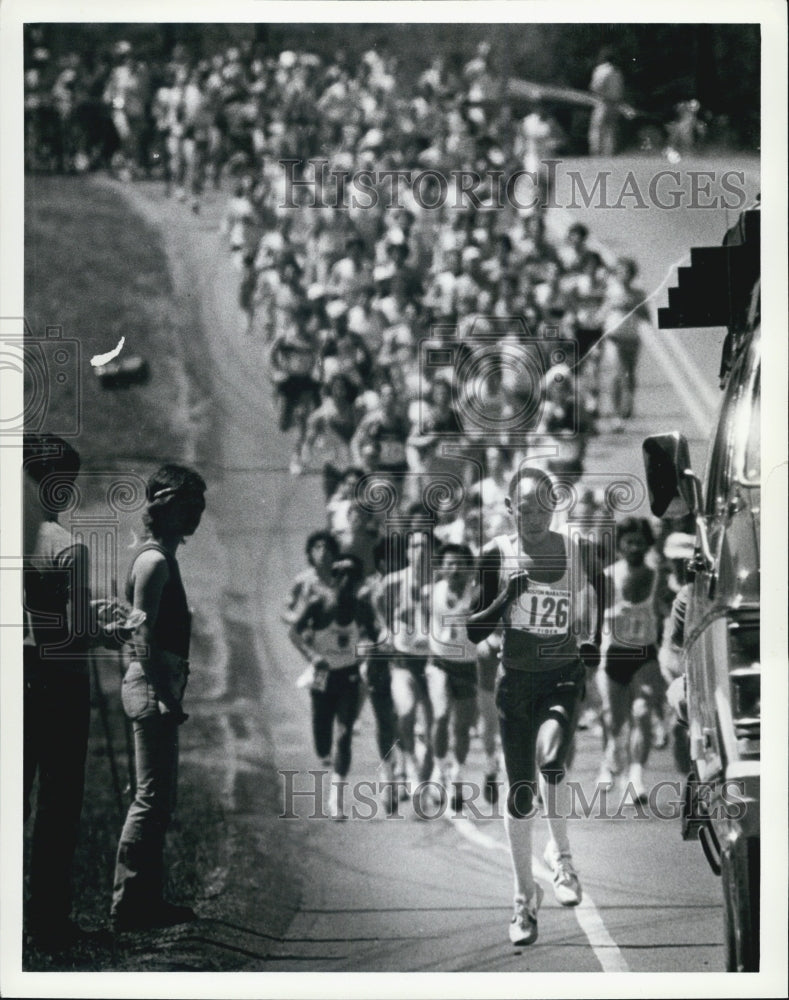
x=100 y=273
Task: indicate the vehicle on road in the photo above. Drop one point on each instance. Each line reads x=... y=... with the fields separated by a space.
x=720 y=646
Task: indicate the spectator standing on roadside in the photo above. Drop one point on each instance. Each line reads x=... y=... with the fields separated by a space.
x=57 y=688
x=152 y=694
x=608 y=85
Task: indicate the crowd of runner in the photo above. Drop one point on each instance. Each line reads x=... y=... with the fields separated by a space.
x=418 y=334
x=425 y=345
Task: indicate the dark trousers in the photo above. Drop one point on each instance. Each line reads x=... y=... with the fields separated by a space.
x=339 y=704
x=56 y=724
x=379 y=684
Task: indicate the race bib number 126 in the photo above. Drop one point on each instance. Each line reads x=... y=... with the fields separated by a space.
x=543 y=612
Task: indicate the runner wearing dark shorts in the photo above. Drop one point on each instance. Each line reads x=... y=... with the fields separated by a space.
x=545 y=590
x=293 y=361
x=376 y=675
x=629 y=680
x=328 y=633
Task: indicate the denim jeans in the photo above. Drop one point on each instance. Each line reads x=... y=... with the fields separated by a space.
x=139 y=866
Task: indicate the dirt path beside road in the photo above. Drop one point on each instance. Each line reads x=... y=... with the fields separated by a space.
x=226 y=856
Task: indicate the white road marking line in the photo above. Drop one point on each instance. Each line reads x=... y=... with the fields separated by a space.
x=675 y=361
x=605 y=949
x=669 y=352
x=687 y=393
x=692 y=371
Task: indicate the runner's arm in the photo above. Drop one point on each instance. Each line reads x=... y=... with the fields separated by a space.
x=296 y=635
x=298 y=593
x=367 y=621
x=494 y=601
x=360 y=437
x=596 y=575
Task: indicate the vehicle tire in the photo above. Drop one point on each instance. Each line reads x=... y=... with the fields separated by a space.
x=741 y=897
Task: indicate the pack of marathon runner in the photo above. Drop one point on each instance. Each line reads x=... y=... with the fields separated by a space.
x=338 y=302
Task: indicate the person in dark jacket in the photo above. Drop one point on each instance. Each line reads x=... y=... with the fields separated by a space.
x=57 y=687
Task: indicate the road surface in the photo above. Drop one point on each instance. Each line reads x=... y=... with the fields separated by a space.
x=408 y=894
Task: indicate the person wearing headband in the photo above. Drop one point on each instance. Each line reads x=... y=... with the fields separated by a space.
x=152 y=694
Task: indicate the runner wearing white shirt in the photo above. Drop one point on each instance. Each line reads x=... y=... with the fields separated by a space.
x=542 y=586
x=404 y=605
x=452 y=669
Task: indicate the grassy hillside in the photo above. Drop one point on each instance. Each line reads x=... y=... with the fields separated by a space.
x=100 y=273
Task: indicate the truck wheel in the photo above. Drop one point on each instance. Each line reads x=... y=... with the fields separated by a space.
x=740 y=875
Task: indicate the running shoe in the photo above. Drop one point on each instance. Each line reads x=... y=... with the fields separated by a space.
x=402 y=785
x=523 y=926
x=606 y=777
x=454 y=787
x=636 y=780
x=551 y=855
x=295 y=466
x=566 y=885
x=336 y=805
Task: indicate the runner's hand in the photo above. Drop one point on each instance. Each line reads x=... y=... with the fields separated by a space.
x=517 y=584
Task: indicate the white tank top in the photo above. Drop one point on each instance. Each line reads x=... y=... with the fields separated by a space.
x=543 y=628
x=337 y=644
x=628 y=623
x=448 y=615
x=410 y=616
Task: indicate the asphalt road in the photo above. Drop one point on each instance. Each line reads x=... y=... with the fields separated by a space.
x=678 y=369
x=407 y=893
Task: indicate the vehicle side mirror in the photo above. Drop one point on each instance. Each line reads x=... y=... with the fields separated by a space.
x=674 y=490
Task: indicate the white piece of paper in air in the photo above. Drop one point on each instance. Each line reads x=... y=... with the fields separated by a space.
x=102 y=359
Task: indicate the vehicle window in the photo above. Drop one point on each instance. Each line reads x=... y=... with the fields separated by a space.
x=720 y=458
x=752 y=467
